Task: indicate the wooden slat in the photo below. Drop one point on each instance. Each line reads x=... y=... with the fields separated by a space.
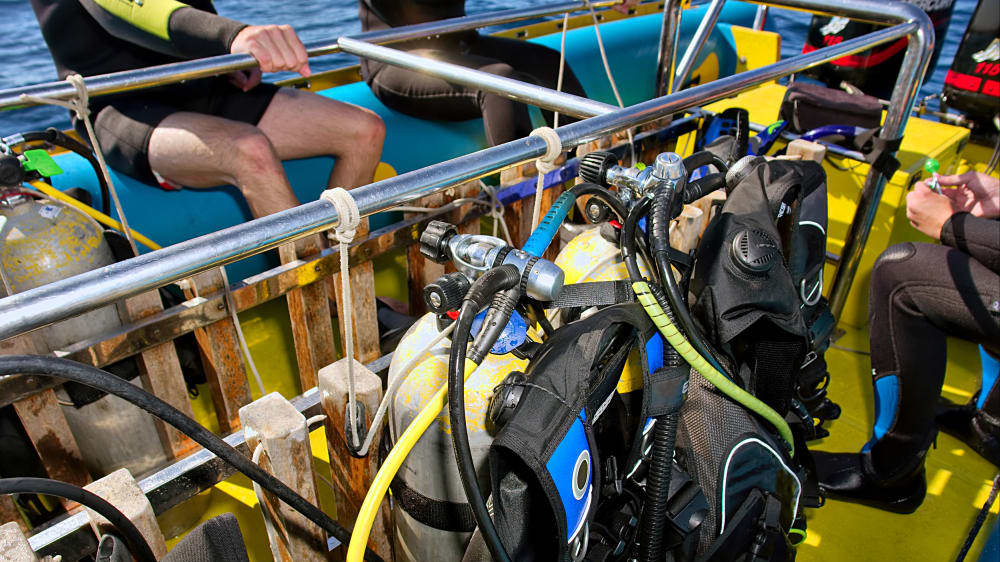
x=352 y=476
x=161 y=374
x=309 y=312
x=226 y=372
x=364 y=316
x=9 y=513
x=44 y=422
x=46 y=426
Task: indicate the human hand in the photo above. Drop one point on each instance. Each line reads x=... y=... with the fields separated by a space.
x=245 y=80
x=927 y=210
x=625 y=6
x=276 y=47
x=975 y=192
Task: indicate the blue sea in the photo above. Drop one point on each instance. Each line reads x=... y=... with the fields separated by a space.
x=26 y=59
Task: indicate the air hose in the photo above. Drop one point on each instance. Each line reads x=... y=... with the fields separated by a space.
x=102 y=380
x=394 y=460
x=659 y=239
x=654 y=511
x=675 y=338
x=60 y=139
x=548 y=227
x=137 y=544
x=492 y=282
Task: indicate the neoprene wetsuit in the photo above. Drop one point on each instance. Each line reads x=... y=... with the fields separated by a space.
x=91 y=37
x=427 y=97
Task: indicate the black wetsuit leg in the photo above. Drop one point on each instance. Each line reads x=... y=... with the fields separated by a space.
x=919 y=295
x=427 y=97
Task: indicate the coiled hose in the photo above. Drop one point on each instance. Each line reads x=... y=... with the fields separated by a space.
x=493 y=281
x=138 y=547
x=102 y=380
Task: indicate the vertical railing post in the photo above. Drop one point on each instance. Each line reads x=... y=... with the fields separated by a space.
x=122 y=491
x=668 y=44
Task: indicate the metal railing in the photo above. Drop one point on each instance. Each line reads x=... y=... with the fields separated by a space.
x=129 y=80
x=56 y=301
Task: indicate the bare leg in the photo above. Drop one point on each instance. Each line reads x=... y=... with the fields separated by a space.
x=301 y=124
x=198 y=150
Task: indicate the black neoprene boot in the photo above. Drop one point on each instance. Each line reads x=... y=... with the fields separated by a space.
x=972 y=426
x=847 y=477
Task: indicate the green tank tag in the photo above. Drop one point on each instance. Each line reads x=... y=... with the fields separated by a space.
x=931 y=165
x=38 y=160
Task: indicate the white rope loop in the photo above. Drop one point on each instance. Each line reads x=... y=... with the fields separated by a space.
x=348 y=219
x=81 y=106
x=544 y=164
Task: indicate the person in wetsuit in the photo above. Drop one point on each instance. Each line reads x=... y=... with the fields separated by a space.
x=921 y=293
x=427 y=97
x=204 y=133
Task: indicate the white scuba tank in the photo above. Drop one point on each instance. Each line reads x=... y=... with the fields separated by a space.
x=42 y=242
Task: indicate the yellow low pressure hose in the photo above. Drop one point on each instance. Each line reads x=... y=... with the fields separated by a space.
x=380 y=485
x=100 y=217
x=698 y=363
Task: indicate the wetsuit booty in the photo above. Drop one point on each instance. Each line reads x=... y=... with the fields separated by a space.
x=972 y=426
x=847 y=477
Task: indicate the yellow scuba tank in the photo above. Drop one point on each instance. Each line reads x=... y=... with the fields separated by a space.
x=42 y=242
x=433 y=521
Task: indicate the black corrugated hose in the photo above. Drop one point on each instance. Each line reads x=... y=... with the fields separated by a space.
x=137 y=544
x=654 y=510
x=102 y=380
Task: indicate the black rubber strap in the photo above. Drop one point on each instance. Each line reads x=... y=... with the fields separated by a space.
x=601 y=293
x=439 y=514
x=883 y=156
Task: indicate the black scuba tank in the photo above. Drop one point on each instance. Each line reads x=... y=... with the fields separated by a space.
x=873 y=71
x=972 y=84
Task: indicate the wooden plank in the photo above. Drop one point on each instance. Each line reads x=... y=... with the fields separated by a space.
x=353 y=476
x=309 y=311
x=273 y=423
x=161 y=374
x=364 y=316
x=122 y=491
x=48 y=431
x=14 y=546
x=227 y=374
x=10 y=514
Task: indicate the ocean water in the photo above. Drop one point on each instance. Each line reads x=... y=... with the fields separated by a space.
x=26 y=58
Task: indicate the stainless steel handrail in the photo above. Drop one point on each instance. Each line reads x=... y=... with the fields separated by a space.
x=129 y=80
x=686 y=64
x=508 y=87
x=669 y=30
x=41 y=306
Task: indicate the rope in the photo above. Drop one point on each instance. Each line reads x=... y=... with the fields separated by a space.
x=562 y=65
x=231 y=305
x=272 y=519
x=81 y=106
x=497 y=211
x=544 y=164
x=607 y=71
x=348 y=219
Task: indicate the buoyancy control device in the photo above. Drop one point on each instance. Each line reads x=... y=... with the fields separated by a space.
x=972 y=84
x=582 y=390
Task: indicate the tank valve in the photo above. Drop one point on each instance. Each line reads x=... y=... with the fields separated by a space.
x=594 y=166
x=11 y=171
x=434 y=241
x=447 y=292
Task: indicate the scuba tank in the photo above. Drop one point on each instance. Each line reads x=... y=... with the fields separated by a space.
x=873 y=71
x=972 y=84
x=44 y=241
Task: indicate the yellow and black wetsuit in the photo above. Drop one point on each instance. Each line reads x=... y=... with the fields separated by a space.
x=92 y=37
x=427 y=97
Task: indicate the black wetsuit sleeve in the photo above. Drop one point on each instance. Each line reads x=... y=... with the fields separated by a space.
x=185 y=30
x=976 y=236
